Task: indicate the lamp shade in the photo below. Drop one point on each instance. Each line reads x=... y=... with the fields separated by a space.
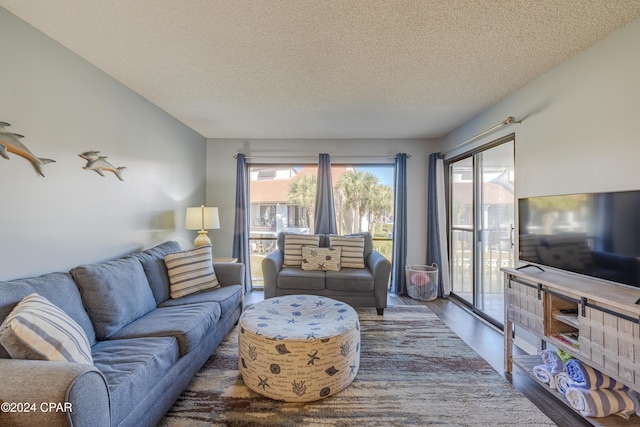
x=202 y=218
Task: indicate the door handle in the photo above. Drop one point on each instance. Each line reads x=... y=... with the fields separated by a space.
x=511 y=234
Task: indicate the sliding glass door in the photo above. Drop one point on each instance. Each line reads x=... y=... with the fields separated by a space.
x=481 y=218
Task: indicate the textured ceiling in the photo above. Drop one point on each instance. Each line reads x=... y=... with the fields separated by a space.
x=322 y=68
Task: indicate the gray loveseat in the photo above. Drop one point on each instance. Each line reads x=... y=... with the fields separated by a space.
x=358 y=287
x=145 y=346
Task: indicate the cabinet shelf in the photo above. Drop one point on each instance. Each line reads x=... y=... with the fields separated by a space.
x=526 y=363
x=564 y=342
x=567 y=319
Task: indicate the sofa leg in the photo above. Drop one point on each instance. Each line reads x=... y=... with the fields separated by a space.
x=380 y=311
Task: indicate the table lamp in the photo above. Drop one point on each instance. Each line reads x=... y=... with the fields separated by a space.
x=202 y=219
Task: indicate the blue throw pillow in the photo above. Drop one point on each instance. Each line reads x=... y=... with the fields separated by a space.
x=115 y=293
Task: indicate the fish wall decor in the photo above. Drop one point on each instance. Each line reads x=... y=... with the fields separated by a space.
x=98 y=163
x=10 y=143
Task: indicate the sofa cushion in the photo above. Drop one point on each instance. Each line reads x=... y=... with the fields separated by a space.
x=38 y=330
x=191 y=271
x=293 y=244
x=186 y=323
x=115 y=293
x=350 y=279
x=322 y=259
x=152 y=261
x=132 y=368
x=59 y=288
x=228 y=297
x=297 y=278
x=352 y=255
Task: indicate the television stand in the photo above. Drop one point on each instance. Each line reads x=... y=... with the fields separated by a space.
x=522 y=267
x=594 y=321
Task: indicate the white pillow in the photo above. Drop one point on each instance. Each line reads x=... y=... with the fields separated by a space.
x=191 y=271
x=322 y=259
x=37 y=329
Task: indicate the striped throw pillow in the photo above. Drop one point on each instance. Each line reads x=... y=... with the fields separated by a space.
x=352 y=250
x=293 y=244
x=36 y=329
x=191 y=271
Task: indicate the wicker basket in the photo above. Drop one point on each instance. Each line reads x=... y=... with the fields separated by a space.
x=422 y=282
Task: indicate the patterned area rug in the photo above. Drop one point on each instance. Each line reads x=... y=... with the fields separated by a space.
x=414 y=371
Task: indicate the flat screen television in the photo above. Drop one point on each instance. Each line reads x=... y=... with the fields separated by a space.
x=594 y=234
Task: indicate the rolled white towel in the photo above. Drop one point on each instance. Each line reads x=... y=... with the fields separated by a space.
x=563 y=382
x=544 y=374
x=603 y=402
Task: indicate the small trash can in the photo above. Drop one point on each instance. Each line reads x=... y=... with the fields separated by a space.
x=422 y=282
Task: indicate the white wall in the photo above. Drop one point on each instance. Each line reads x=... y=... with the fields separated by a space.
x=221 y=172
x=581 y=128
x=64 y=106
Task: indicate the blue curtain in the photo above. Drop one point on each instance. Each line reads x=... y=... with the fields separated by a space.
x=325 y=214
x=398 y=284
x=437 y=252
x=241 y=227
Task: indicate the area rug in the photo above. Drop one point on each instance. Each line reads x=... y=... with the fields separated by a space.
x=414 y=371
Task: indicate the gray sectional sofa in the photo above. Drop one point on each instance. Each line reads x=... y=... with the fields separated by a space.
x=145 y=346
x=358 y=287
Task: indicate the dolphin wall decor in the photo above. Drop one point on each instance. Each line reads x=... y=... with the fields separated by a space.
x=10 y=143
x=98 y=163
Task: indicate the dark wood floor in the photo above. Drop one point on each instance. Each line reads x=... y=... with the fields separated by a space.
x=488 y=343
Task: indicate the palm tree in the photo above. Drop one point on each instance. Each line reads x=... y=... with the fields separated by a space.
x=302 y=192
x=380 y=205
x=356 y=188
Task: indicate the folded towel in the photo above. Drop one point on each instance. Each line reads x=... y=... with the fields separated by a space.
x=563 y=355
x=584 y=376
x=563 y=382
x=545 y=375
x=602 y=403
x=552 y=361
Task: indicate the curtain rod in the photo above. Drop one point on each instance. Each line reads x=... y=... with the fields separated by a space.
x=509 y=120
x=290 y=156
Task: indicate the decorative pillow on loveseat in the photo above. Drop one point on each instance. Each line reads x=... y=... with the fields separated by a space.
x=293 y=244
x=352 y=250
x=36 y=329
x=322 y=259
x=191 y=271
x=115 y=293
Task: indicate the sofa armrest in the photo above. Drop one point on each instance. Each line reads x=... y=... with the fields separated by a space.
x=229 y=273
x=53 y=394
x=271 y=266
x=380 y=268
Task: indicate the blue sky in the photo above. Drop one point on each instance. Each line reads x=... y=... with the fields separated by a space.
x=383 y=172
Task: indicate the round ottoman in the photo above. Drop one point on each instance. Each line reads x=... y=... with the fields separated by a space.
x=298 y=348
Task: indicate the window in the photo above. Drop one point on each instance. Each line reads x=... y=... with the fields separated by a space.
x=282 y=198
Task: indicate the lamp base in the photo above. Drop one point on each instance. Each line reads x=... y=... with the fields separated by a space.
x=202 y=239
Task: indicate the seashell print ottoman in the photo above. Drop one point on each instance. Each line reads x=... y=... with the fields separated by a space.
x=298 y=348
